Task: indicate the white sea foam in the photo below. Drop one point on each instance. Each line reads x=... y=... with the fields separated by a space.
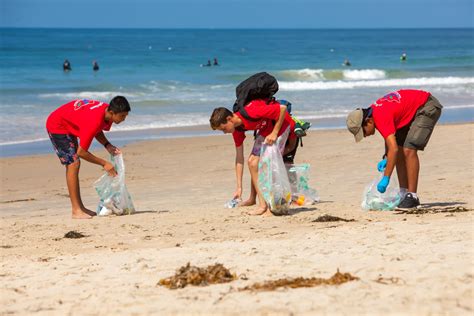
x=84 y=95
x=304 y=74
x=408 y=82
x=165 y=121
x=308 y=74
x=26 y=141
x=363 y=74
x=462 y=106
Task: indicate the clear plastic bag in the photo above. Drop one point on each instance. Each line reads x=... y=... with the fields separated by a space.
x=301 y=193
x=112 y=191
x=273 y=180
x=374 y=200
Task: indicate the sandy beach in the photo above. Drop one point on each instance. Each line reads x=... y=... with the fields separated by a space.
x=416 y=264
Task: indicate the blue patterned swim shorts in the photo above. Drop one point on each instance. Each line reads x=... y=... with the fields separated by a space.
x=65 y=146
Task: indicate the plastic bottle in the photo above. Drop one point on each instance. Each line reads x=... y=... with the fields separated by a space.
x=232 y=203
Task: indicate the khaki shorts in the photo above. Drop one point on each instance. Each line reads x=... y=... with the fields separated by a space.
x=417 y=133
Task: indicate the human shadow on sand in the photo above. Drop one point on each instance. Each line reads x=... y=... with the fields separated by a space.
x=293 y=211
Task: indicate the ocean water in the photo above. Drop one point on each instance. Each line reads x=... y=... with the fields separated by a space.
x=161 y=73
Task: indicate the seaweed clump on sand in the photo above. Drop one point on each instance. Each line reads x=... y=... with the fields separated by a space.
x=74 y=234
x=191 y=275
x=433 y=210
x=330 y=218
x=336 y=279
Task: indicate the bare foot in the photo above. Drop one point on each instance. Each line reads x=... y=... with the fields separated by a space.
x=248 y=202
x=267 y=213
x=80 y=215
x=259 y=211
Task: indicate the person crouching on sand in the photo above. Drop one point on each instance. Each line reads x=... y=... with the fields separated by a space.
x=86 y=120
x=406 y=119
x=272 y=123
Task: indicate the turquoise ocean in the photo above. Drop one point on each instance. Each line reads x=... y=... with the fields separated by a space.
x=172 y=94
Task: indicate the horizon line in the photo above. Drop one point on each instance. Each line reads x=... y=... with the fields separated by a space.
x=232 y=28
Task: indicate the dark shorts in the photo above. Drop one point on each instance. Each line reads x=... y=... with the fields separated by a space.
x=259 y=140
x=65 y=147
x=417 y=133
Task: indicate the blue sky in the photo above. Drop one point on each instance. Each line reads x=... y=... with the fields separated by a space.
x=237 y=13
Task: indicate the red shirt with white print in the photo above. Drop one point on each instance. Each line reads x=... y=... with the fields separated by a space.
x=396 y=109
x=81 y=118
x=265 y=115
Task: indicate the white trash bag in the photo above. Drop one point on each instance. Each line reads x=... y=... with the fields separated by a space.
x=301 y=193
x=273 y=180
x=112 y=191
x=374 y=200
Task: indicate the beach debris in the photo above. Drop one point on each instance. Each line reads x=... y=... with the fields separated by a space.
x=392 y=280
x=21 y=200
x=74 y=234
x=433 y=210
x=337 y=279
x=373 y=200
x=192 y=275
x=273 y=180
x=301 y=192
x=113 y=193
x=330 y=218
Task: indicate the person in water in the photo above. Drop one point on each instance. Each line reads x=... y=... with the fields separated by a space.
x=95 y=66
x=346 y=63
x=403 y=57
x=67 y=65
x=216 y=63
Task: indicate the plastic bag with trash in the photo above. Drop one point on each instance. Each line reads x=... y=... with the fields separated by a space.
x=301 y=192
x=374 y=200
x=112 y=191
x=273 y=180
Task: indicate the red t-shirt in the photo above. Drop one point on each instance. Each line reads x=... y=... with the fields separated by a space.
x=81 y=118
x=266 y=114
x=396 y=109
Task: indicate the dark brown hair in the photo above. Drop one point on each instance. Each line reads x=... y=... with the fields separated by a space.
x=219 y=116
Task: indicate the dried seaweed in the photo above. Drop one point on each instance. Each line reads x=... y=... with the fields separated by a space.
x=336 y=279
x=74 y=234
x=191 y=275
x=330 y=218
x=21 y=200
x=433 y=210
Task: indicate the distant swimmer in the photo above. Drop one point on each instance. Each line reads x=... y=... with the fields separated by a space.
x=346 y=63
x=403 y=57
x=95 y=66
x=216 y=63
x=208 y=64
x=67 y=65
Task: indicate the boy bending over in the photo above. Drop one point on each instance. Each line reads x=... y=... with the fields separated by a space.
x=272 y=123
x=86 y=120
x=405 y=119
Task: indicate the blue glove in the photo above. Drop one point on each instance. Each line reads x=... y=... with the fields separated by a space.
x=382 y=165
x=383 y=184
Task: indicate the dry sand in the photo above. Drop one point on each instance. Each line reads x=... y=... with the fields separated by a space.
x=418 y=264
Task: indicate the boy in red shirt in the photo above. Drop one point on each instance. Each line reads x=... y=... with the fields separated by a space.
x=86 y=120
x=405 y=119
x=272 y=123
